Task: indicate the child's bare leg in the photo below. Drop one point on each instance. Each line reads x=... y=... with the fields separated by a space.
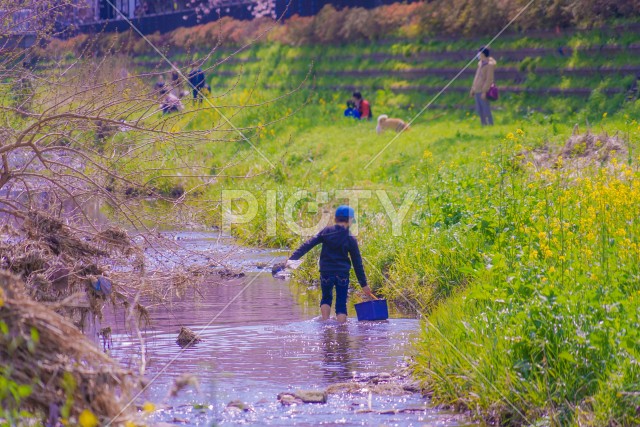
x=342 y=318
x=325 y=310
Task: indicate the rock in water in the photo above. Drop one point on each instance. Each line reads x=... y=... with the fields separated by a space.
x=312 y=396
x=228 y=273
x=277 y=268
x=283 y=270
x=187 y=337
x=288 y=399
x=412 y=387
x=239 y=406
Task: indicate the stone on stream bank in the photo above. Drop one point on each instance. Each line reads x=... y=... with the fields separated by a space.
x=303 y=396
x=228 y=273
x=397 y=383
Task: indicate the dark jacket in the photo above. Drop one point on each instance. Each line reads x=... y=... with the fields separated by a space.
x=196 y=79
x=339 y=251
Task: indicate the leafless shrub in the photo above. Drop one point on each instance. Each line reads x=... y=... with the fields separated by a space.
x=82 y=135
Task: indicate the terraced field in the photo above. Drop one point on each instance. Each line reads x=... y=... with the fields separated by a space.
x=558 y=74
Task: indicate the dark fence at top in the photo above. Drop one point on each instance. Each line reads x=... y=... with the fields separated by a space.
x=288 y=8
x=237 y=9
x=166 y=22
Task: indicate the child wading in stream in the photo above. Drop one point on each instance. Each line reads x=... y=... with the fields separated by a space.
x=339 y=251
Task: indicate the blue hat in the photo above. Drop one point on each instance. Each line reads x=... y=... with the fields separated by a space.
x=345 y=212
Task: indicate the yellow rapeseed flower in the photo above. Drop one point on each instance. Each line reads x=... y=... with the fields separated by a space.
x=148 y=407
x=87 y=419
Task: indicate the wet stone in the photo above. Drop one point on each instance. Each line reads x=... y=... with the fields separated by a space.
x=187 y=337
x=228 y=273
x=312 y=396
x=238 y=406
x=412 y=387
x=346 y=387
x=381 y=377
x=288 y=399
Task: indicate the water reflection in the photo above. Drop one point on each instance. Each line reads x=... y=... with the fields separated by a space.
x=338 y=350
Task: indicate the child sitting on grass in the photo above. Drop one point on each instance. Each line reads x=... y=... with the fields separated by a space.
x=351 y=110
x=339 y=251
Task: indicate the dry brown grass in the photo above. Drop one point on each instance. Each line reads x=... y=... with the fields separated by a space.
x=580 y=151
x=45 y=350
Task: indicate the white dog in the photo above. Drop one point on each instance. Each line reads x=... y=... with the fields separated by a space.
x=385 y=123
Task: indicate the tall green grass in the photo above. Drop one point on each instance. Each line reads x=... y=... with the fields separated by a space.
x=526 y=274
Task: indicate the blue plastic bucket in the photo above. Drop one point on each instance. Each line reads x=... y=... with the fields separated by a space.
x=372 y=310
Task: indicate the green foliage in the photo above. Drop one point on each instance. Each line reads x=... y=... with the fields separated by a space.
x=547 y=325
x=13 y=394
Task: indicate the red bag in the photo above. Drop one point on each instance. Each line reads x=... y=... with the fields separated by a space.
x=492 y=93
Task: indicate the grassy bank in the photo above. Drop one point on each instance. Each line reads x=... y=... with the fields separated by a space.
x=520 y=245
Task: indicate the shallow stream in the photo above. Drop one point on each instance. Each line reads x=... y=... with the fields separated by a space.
x=261 y=339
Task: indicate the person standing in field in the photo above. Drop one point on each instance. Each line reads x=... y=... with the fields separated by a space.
x=339 y=251
x=197 y=81
x=363 y=106
x=481 y=85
